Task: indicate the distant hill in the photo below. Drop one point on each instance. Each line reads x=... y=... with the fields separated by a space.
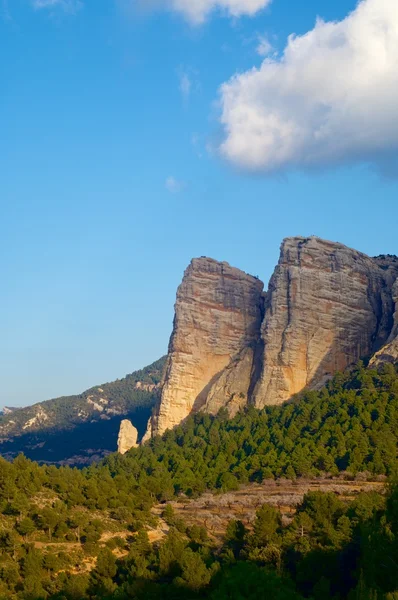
x=79 y=429
x=8 y=410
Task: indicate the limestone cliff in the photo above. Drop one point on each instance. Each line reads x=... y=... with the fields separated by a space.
x=389 y=352
x=327 y=306
x=127 y=438
x=218 y=315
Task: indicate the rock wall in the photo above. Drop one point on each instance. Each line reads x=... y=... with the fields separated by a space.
x=218 y=314
x=327 y=306
x=389 y=352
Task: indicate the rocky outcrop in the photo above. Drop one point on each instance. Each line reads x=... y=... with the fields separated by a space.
x=327 y=307
x=389 y=352
x=8 y=410
x=218 y=316
x=127 y=438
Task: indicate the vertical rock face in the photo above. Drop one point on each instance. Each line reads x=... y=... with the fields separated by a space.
x=389 y=352
x=327 y=307
x=231 y=390
x=218 y=316
x=127 y=438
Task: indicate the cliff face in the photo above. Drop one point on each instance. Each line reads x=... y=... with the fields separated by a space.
x=218 y=316
x=389 y=352
x=327 y=306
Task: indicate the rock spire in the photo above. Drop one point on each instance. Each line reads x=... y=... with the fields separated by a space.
x=127 y=438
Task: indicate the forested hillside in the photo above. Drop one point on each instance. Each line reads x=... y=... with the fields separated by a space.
x=76 y=534
x=351 y=424
x=43 y=431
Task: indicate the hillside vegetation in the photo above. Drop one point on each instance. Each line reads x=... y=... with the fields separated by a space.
x=76 y=534
x=349 y=425
x=43 y=431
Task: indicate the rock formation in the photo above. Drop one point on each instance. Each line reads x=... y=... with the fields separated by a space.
x=127 y=438
x=218 y=315
x=389 y=352
x=327 y=306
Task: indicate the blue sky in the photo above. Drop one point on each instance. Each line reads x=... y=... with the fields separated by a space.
x=117 y=167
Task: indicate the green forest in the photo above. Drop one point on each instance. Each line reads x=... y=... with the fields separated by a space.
x=83 y=534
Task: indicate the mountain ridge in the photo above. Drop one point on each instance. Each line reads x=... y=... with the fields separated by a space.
x=100 y=408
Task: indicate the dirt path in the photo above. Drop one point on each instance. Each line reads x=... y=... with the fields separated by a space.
x=58 y=545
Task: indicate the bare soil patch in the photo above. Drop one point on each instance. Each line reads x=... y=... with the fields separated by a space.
x=214 y=511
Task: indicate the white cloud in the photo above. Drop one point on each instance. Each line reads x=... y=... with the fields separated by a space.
x=264 y=47
x=331 y=98
x=197 y=11
x=173 y=185
x=70 y=6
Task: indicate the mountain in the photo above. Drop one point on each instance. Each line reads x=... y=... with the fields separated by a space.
x=80 y=429
x=233 y=345
x=327 y=306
